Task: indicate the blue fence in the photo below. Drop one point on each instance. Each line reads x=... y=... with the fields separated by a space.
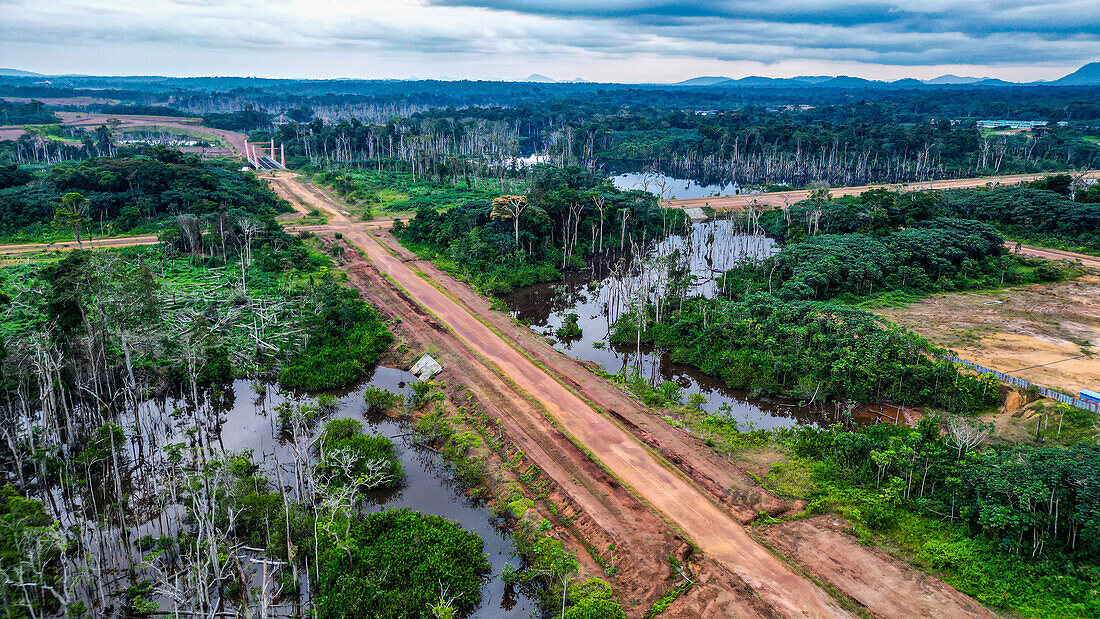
x=1019 y=382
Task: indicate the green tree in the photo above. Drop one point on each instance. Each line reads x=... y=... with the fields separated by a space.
x=71 y=214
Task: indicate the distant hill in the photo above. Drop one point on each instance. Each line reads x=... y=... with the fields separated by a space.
x=1087 y=75
x=18 y=73
x=540 y=79
x=704 y=81
x=954 y=79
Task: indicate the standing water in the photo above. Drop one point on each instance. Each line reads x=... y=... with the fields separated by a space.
x=598 y=296
x=247 y=418
x=669 y=187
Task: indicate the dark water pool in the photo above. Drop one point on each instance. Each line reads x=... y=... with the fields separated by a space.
x=598 y=295
x=246 y=419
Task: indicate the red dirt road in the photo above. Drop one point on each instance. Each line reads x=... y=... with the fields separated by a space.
x=821 y=546
x=786 y=198
x=114 y=241
x=714 y=530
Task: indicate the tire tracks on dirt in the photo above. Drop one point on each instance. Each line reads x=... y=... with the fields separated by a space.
x=715 y=531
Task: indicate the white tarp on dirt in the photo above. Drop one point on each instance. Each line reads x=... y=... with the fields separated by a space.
x=426 y=367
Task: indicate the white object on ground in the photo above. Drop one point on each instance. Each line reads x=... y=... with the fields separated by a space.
x=426 y=367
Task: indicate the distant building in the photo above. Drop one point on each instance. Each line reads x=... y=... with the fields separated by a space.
x=1015 y=124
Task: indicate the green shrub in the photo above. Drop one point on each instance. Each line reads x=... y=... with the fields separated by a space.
x=399 y=564
x=346 y=337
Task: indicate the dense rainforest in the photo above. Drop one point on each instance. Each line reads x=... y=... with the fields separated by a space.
x=749 y=135
x=849 y=144
x=32 y=113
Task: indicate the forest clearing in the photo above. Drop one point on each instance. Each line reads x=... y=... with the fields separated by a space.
x=737 y=492
x=1045 y=333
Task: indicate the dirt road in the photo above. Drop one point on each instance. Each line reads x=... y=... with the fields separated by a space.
x=786 y=198
x=304 y=197
x=83 y=119
x=712 y=529
x=1091 y=262
x=115 y=241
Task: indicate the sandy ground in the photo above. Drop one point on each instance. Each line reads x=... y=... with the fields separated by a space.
x=786 y=198
x=1050 y=326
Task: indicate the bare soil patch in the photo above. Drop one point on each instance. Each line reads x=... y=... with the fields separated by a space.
x=1046 y=334
x=884 y=585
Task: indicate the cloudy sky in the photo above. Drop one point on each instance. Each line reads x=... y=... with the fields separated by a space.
x=599 y=40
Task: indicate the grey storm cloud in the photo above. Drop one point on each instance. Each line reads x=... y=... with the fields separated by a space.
x=908 y=33
x=626 y=34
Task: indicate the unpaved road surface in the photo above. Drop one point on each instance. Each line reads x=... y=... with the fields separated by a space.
x=1085 y=260
x=786 y=198
x=83 y=119
x=114 y=241
x=304 y=196
x=714 y=530
x=822 y=546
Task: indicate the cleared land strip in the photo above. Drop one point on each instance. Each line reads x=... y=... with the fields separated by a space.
x=714 y=530
x=786 y=198
x=116 y=241
x=303 y=197
x=83 y=119
x=1092 y=262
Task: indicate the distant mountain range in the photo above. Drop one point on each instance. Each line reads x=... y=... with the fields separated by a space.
x=542 y=79
x=1088 y=75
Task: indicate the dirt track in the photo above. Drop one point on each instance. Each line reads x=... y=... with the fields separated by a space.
x=83 y=119
x=304 y=197
x=786 y=198
x=712 y=529
x=703 y=496
x=1092 y=262
x=115 y=241
x=876 y=580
